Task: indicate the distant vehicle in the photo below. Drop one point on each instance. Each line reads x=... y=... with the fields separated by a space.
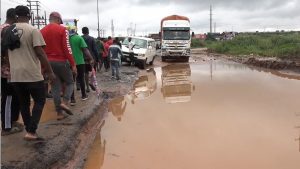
x=144 y=51
x=177 y=85
x=175 y=38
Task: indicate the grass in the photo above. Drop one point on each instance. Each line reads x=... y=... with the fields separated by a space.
x=282 y=45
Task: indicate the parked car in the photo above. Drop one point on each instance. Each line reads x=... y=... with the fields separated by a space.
x=144 y=51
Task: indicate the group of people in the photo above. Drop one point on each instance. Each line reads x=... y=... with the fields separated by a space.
x=31 y=58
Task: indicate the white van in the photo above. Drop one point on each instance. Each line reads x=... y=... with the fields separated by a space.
x=144 y=51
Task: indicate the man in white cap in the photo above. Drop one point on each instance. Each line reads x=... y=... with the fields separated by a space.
x=60 y=56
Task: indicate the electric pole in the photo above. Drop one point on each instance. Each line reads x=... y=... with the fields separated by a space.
x=112 y=28
x=98 y=18
x=210 y=30
x=134 y=30
x=36 y=19
x=215 y=27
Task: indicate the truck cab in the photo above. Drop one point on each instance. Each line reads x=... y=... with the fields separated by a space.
x=175 y=38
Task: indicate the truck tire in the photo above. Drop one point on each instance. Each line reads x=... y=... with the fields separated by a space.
x=186 y=59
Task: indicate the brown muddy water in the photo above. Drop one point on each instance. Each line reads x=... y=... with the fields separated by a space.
x=213 y=116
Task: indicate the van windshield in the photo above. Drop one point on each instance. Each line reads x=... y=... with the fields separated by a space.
x=176 y=35
x=139 y=43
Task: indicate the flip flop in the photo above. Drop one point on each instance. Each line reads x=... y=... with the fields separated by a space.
x=35 y=138
x=66 y=109
x=61 y=117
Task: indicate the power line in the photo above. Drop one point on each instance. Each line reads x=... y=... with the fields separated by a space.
x=37 y=19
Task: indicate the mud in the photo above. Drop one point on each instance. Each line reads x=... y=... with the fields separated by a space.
x=286 y=65
x=133 y=123
x=210 y=114
x=64 y=138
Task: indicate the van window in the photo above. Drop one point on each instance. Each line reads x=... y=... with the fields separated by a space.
x=139 y=43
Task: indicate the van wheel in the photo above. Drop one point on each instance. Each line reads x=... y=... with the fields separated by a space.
x=143 y=64
x=151 y=63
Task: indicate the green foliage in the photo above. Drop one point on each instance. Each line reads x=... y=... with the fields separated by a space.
x=196 y=43
x=270 y=45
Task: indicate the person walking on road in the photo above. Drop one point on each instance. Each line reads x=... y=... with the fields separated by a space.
x=59 y=54
x=91 y=43
x=115 y=53
x=131 y=53
x=10 y=106
x=26 y=57
x=104 y=58
x=79 y=48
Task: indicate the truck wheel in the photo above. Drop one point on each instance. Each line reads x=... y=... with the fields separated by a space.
x=186 y=59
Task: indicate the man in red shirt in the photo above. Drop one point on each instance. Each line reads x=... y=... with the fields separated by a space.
x=60 y=56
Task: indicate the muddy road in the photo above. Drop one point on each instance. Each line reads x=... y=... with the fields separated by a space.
x=209 y=113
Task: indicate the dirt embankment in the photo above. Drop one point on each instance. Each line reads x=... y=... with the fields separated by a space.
x=67 y=141
x=287 y=64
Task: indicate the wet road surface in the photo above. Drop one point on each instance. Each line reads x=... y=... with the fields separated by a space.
x=213 y=115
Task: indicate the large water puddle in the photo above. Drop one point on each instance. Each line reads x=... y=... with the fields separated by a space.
x=213 y=116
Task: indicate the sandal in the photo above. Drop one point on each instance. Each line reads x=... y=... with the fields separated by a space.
x=66 y=109
x=61 y=117
x=33 y=137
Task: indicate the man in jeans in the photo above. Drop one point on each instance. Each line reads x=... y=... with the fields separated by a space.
x=115 y=54
x=25 y=69
x=60 y=56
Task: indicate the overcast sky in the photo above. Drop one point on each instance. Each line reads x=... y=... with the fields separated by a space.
x=236 y=15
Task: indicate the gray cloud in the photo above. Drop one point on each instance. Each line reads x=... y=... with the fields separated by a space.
x=240 y=15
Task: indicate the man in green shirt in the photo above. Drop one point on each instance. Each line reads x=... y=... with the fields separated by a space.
x=79 y=49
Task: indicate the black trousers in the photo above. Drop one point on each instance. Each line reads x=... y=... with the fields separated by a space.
x=10 y=106
x=104 y=61
x=131 y=56
x=37 y=91
x=81 y=79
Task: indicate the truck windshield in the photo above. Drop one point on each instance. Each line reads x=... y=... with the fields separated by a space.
x=139 y=43
x=176 y=35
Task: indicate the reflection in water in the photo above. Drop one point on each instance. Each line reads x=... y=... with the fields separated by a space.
x=298 y=127
x=239 y=120
x=95 y=158
x=144 y=86
x=117 y=107
x=298 y=139
x=176 y=83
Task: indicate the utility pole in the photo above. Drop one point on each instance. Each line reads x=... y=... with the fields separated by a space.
x=112 y=28
x=36 y=19
x=134 y=30
x=32 y=19
x=210 y=29
x=37 y=13
x=98 y=18
x=215 y=27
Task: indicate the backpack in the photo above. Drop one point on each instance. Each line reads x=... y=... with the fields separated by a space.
x=10 y=39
